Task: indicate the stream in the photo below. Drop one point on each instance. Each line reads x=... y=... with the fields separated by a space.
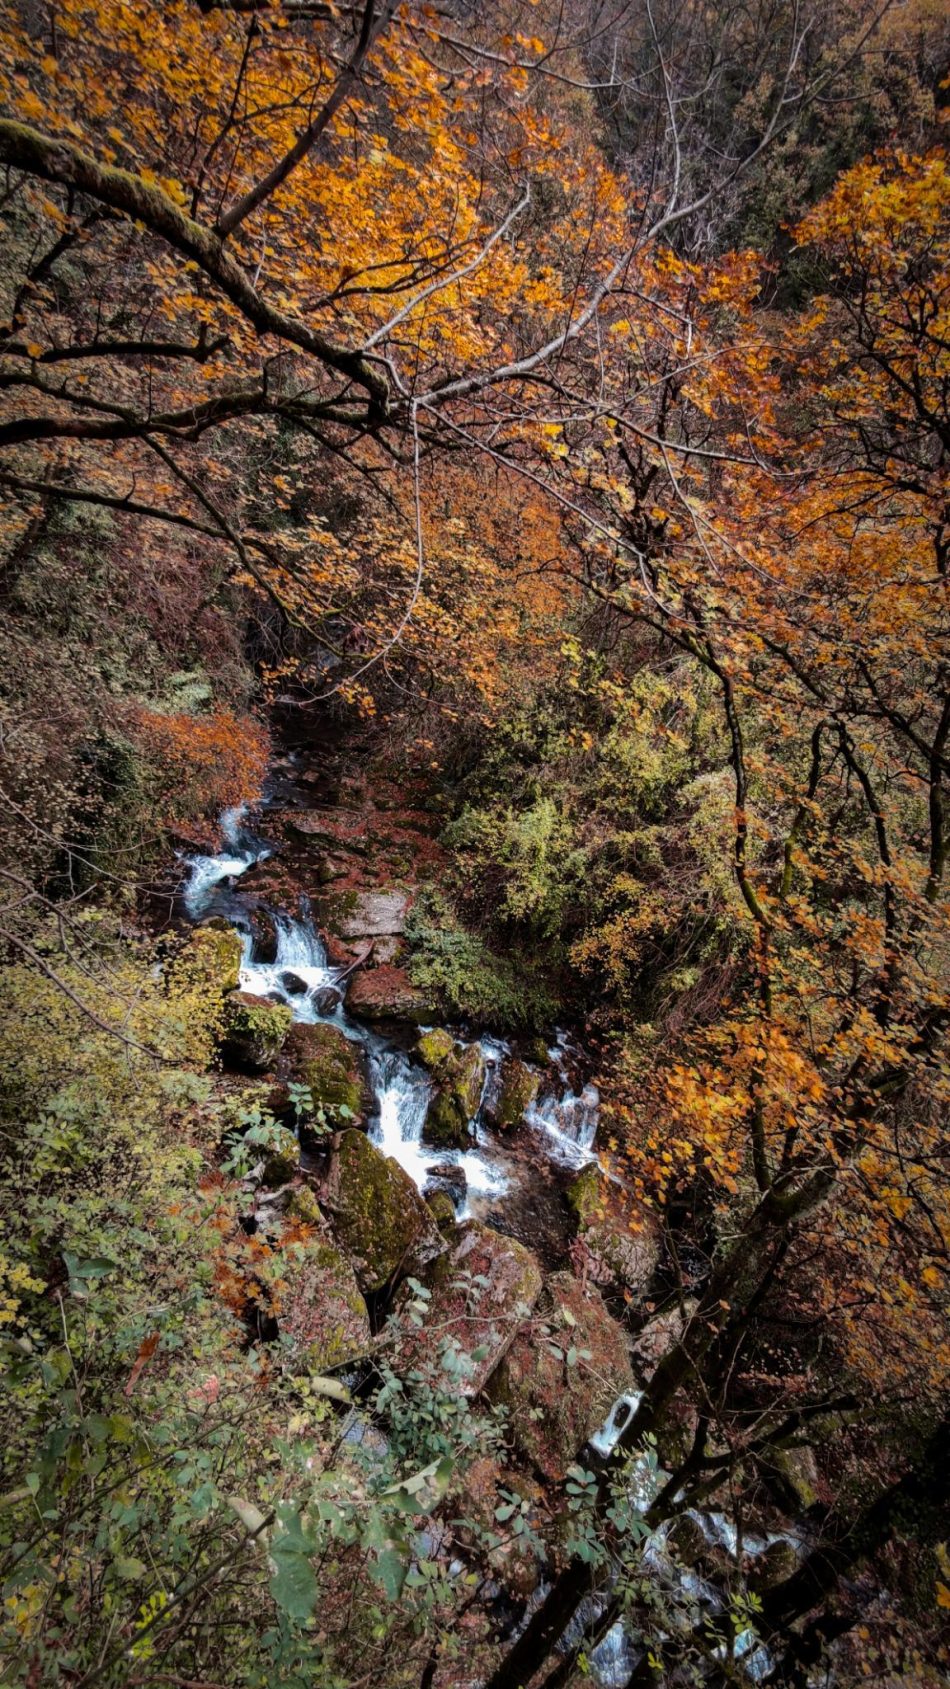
x=564 y=1119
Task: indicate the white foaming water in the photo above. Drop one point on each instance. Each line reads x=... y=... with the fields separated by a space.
x=568 y=1118
x=403 y=1091
x=300 y=954
x=207 y=872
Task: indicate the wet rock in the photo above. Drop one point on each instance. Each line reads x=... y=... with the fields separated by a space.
x=536 y=1050
x=688 y=1540
x=621 y=1239
x=374 y=913
x=483 y=1290
x=216 y=951
x=379 y=1219
x=327 y=999
x=254 y=1030
x=318 y=1304
x=293 y=985
x=331 y=1067
x=776 y=1565
x=560 y=1378
x=518 y=1090
x=442 y=1209
x=263 y=929
x=387 y=994
x=446 y=1176
x=459 y=1074
x=434 y=1048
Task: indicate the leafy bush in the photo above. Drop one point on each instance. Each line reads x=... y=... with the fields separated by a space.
x=469 y=981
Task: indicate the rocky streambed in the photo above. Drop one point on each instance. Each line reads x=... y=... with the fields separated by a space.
x=425 y=1153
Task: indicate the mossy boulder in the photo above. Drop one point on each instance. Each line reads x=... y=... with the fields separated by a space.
x=798 y=1476
x=254 y=1030
x=621 y=1238
x=330 y=1065
x=442 y=1209
x=560 y=1377
x=435 y=1048
x=379 y=1219
x=482 y=1291
x=304 y=1207
x=318 y=1304
x=387 y=993
x=459 y=1074
x=281 y=1159
x=519 y=1087
x=218 y=952
x=775 y=1566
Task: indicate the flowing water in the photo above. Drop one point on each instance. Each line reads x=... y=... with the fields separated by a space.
x=300 y=976
x=563 y=1117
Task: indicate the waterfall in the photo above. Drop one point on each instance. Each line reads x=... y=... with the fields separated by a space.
x=207 y=873
x=301 y=976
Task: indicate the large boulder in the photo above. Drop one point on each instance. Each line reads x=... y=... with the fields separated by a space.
x=375 y=914
x=330 y=1065
x=519 y=1087
x=387 y=994
x=254 y=1030
x=378 y=1217
x=482 y=1291
x=459 y=1074
x=216 y=950
x=318 y=1304
x=561 y=1376
x=621 y=1239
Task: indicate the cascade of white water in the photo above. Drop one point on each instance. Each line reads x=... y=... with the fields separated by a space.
x=207 y=872
x=299 y=970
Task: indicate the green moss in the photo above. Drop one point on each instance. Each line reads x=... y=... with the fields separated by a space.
x=282 y=1161
x=519 y=1088
x=319 y=1306
x=254 y=1029
x=327 y=1062
x=584 y=1194
x=462 y=976
x=435 y=1047
x=303 y=1206
x=460 y=1075
x=442 y=1209
x=378 y=1215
